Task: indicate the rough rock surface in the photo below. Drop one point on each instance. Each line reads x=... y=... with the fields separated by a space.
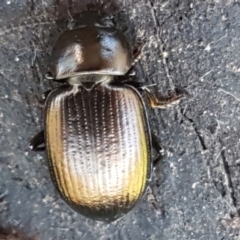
x=192 y=45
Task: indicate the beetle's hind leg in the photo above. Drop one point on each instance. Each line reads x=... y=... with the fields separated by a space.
x=164 y=102
x=157 y=146
x=36 y=142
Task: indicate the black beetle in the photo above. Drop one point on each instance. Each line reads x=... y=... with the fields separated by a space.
x=97 y=135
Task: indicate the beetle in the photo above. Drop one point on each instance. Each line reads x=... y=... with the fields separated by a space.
x=96 y=131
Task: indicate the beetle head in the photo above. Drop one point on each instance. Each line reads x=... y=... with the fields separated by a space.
x=94 y=47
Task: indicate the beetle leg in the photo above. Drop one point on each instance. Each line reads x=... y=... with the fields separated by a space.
x=166 y=102
x=137 y=52
x=36 y=141
x=135 y=84
x=157 y=146
x=136 y=57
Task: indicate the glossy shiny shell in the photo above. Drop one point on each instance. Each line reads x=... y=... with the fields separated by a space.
x=98 y=148
x=91 y=50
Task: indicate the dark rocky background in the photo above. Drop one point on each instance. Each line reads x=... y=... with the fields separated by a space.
x=194 y=45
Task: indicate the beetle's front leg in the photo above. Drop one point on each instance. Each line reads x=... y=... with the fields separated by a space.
x=36 y=141
x=137 y=53
x=156 y=102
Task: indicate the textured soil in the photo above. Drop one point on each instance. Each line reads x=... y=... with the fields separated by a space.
x=191 y=45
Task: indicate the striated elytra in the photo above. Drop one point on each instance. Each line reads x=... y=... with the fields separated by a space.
x=96 y=131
